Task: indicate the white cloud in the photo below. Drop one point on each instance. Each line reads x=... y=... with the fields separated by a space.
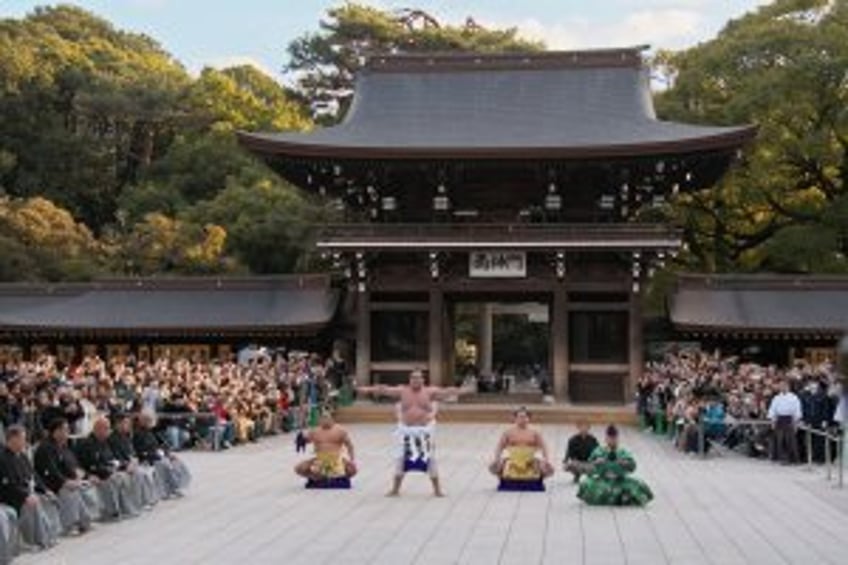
x=237 y=60
x=659 y=28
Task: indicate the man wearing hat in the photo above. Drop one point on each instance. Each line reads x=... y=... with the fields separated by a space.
x=608 y=482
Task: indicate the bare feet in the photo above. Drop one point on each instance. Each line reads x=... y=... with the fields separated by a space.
x=437 y=488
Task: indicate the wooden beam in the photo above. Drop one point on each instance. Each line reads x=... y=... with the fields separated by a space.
x=559 y=342
x=436 y=341
x=636 y=345
x=363 y=337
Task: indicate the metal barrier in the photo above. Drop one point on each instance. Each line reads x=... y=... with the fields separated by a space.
x=836 y=437
x=702 y=441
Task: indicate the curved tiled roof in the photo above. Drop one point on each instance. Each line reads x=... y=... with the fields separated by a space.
x=165 y=305
x=760 y=304
x=553 y=104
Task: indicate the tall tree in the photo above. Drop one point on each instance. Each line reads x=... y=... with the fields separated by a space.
x=782 y=67
x=85 y=108
x=326 y=61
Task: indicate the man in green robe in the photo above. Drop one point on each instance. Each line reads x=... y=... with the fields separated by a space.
x=607 y=481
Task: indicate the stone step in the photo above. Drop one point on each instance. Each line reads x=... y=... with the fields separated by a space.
x=368 y=412
x=512 y=399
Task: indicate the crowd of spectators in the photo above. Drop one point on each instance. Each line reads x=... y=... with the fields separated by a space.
x=97 y=439
x=702 y=398
x=214 y=404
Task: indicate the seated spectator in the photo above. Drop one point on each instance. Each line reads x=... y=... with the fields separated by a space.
x=144 y=480
x=116 y=487
x=172 y=475
x=35 y=508
x=58 y=468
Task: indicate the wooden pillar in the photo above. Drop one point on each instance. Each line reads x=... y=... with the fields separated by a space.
x=559 y=342
x=485 y=352
x=363 y=337
x=436 y=337
x=449 y=340
x=636 y=345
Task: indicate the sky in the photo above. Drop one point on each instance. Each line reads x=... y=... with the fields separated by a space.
x=220 y=33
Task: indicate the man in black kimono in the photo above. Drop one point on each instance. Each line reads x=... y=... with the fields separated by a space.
x=580 y=447
x=103 y=468
x=172 y=476
x=144 y=480
x=57 y=466
x=36 y=508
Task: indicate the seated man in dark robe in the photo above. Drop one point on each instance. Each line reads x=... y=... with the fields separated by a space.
x=144 y=480
x=172 y=476
x=608 y=482
x=57 y=466
x=103 y=469
x=22 y=490
x=580 y=448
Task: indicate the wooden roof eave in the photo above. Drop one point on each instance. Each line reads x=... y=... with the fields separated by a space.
x=731 y=140
x=302 y=328
x=762 y=332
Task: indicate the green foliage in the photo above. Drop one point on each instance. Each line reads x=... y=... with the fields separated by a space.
x=783 y=68
x=39 y=240
x=327 y=61
x=268 y=223
x=160 y=243
x=245 y=98
x=108 y=144
x=85 y=108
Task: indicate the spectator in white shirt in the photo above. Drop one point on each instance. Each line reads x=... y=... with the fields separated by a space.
x=785 y=413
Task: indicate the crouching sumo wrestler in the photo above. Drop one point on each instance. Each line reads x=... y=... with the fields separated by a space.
x=332 y=465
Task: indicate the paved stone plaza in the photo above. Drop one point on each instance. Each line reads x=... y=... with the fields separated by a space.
x=247 y=507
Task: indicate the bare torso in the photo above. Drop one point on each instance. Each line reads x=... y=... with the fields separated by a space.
x=518 y=437
x=328 y=440
x=416 y=406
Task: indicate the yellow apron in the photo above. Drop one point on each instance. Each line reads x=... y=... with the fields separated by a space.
x=328 y=465
x=520 y=464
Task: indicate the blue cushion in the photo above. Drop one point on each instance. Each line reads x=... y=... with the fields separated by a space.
x=337 y=483
x=536 y=485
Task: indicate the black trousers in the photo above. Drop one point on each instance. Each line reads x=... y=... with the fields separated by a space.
x=785 y=440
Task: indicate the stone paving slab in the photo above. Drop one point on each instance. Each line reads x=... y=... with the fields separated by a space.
x=246 y=507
